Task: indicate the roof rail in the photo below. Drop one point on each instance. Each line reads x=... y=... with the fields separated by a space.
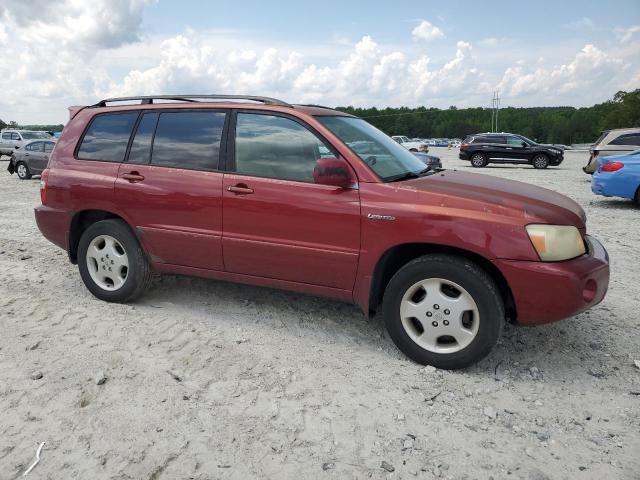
x=148 y=99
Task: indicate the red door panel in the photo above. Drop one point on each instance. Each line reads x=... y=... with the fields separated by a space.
x=179 y=213
x=289 y=230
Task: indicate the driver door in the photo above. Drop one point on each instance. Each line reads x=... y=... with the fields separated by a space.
x=277 y=223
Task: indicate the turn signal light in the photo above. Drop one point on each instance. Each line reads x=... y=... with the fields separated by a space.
x=611 y=167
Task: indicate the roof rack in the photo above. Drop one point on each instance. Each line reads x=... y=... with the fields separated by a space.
x=148 y=99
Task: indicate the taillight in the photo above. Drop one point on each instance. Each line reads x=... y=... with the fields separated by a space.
x=611 y=167
x=463 y=146
x=43 y=186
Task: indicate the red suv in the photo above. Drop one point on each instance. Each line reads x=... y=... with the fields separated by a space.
x=306 y=198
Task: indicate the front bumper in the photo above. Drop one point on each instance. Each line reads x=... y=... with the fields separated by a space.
x=546 y=292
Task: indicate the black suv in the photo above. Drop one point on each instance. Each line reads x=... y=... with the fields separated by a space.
x=484 y=148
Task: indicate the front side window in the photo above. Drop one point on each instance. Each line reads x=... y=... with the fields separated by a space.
x=107 y=137
x=276 y=147
x=389 y=160
x=48 y=147
x=515 y=141
x=188 y=140
x=15 y=136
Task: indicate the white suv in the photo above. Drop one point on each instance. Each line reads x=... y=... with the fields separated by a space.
x=612 y=142
x=10 y=140
x=411 y=146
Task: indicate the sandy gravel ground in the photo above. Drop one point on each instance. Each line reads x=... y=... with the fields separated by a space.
x=211 y=380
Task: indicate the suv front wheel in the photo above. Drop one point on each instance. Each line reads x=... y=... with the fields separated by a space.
x=540 y=161
x=443 y=310
x=111 y=262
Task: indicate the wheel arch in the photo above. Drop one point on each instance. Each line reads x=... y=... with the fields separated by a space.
x=83 y=220
x=398 y=256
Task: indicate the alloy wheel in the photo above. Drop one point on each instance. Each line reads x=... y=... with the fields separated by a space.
x=107 y=262
x=439 y=315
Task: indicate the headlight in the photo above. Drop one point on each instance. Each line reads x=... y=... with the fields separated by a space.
x=556 y=242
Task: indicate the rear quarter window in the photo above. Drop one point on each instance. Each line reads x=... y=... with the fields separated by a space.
x=627 y=139
x=107 y=137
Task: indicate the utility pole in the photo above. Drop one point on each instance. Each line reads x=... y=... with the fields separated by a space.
x=495 y=109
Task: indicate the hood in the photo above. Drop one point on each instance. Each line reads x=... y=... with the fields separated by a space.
x=489 y=194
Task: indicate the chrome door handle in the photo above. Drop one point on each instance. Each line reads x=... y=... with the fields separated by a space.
x=241 y=188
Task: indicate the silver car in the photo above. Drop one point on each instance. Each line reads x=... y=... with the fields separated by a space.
x=12 y=139
x=612 y=142
x=31 y=159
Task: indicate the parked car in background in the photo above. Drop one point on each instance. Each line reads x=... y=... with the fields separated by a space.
x=411 y=146
x=612 y=142
x=31 y=159
x=11 y=139
x=429 y=160
x=484 y=148
x=243 y=192
x=618 y=176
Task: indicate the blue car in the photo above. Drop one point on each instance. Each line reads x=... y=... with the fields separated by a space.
x=618 y=176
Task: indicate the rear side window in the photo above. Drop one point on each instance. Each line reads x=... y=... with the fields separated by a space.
x=35 y=147
x=48 y=147
x=107 y=137
x=141 y=146
x=627 y=139
x=275 y=147
x=6 y=136
x=188 y=140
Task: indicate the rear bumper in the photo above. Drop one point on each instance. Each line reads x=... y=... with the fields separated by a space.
x=614 y=184
x=54 y=225
x=463 y=155
x=548 y=292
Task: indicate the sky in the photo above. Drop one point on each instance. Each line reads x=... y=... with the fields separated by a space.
x=57 y=53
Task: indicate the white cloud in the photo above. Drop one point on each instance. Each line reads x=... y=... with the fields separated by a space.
x=55 y=66
x=625 y=34
x=584 y=23
x=426 y=31
x=591 y=70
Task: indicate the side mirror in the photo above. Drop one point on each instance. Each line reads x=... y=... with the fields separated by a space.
x=333 y=171
x=524 y=144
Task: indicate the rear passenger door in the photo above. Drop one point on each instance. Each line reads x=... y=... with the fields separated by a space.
x=278 y=223
x=34 y=155
x=170 y=186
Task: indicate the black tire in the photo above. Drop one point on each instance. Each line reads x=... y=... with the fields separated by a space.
x=637 y=197
x=540 y=161
x=139 y=274
x=23 y=173
x=478 y=160
x=468 y=275
x=413 y=149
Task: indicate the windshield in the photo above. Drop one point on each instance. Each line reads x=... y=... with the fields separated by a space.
x=34 y=135
x=385 y=157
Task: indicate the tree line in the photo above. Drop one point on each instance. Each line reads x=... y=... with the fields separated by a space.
x=545 y=124
x=564 y=125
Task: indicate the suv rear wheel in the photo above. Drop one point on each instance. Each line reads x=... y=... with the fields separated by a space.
x=444 y=311
x=111 y=262
x=540 y=161
x=478 y=160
